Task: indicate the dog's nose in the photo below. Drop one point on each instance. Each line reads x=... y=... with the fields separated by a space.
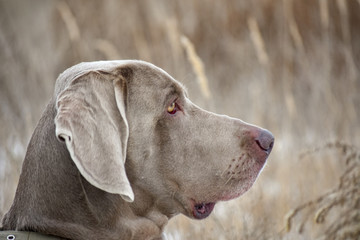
x=265 y=141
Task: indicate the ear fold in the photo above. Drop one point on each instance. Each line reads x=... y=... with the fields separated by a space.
x=91 y=120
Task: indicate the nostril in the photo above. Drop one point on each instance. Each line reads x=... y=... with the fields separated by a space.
x=265 y=141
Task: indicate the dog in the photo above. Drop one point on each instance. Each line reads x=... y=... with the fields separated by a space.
x=120 y=149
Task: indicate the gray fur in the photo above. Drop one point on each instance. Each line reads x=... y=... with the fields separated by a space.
x=107 y=161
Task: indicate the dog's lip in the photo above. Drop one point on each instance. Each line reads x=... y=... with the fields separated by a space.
x=202 y=210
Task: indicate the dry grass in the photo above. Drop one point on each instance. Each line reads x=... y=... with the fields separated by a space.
x=335 y=214
x=197 y=65
x=289 y=66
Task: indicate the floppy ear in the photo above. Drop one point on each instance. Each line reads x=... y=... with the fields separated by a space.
x=91 y=120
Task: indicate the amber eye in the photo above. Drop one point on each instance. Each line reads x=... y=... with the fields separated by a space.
x=172 y=108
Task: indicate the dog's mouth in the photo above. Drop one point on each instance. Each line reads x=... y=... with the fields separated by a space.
x=202 y=210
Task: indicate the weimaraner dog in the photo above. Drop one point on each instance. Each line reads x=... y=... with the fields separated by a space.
x=120 y=149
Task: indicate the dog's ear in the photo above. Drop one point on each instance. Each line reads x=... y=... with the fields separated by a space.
x=91 y=120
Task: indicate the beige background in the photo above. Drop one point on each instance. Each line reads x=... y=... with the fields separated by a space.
x=290 y=66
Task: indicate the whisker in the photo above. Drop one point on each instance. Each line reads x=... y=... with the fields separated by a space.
x=227 y=180
x=222 y=174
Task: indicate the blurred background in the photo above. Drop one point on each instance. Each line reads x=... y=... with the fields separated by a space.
x=292 y=67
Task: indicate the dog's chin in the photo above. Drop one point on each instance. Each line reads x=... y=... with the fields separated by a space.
x=201 y=206
x=201 y=210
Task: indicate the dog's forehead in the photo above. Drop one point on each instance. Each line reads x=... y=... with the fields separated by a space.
x=146 y=73
x=150 y=75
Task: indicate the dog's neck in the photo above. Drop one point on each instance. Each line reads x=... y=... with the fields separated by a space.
x=73 y=208
x=53 y=198
x=137 y=220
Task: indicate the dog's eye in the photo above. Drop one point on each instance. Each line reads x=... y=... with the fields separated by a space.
x=172 y=108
